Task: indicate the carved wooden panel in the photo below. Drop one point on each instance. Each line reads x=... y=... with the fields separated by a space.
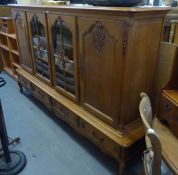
x=23 y=39
x=101 y=44
x=140 y=67
x=99 y=36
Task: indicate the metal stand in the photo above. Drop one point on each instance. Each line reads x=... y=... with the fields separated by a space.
x=11 y=141
x=2 y=82
x=11 y=162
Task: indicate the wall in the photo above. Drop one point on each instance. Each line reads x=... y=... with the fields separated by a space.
x=26 y=1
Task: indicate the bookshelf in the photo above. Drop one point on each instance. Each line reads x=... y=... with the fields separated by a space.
x=9 y=46
x=168 y=105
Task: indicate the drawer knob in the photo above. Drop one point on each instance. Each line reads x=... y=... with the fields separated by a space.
x=40 y=94
x=97 y=138
x=167 y=107
x=63 y=112
x=76 y=120
x=82 y=125
x=115 y=149
x=33 y=88
x=53 y=103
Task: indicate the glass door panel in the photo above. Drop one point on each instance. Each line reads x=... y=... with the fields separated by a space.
x=63 y=38
x=37 y=24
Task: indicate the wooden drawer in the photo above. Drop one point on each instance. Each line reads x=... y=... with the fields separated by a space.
x=41 y=96
x=64 y=113
x=104 y=142
x=166 y=108
x=168 y=111
x=24 y=82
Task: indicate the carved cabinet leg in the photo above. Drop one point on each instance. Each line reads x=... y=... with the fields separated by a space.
x=121 y=167
x=20 y=86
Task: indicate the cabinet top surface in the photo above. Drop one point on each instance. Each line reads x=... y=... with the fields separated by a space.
x=79 y=8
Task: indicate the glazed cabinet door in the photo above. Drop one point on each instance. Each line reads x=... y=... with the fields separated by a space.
x=39 y=46
x=23 y=39
x=101 y=62
x=62 y=36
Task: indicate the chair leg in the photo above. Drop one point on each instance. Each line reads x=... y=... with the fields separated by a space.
x=20 y=86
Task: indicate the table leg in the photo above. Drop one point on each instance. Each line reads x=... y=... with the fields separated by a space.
x=20 y=86
x=121 y=167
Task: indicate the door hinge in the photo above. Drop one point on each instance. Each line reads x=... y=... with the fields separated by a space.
x=125 y=39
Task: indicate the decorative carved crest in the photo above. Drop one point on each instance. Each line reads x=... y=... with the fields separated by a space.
x=35 y=18
x=19 y=19
x=99 y=36
x=59 y=21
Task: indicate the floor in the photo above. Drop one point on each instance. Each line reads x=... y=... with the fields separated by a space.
x=50 y=145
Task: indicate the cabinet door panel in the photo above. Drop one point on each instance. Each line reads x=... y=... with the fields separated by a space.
x=23 y=39
x=101 y=57
x=62 y=35
x=39 y=45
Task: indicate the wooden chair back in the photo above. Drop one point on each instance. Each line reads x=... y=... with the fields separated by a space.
x=152 y=156
x=146 y=110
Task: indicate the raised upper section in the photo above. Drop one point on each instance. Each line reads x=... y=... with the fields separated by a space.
x=97 y=57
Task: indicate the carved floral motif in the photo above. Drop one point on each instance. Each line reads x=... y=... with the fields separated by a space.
x=35 y=18
x=59 y=21
x=19 y=19
x=99 y=36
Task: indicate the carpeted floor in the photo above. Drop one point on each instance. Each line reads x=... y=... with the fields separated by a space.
x=51 y=146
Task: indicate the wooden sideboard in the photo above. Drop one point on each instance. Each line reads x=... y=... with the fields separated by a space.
x=88 y=65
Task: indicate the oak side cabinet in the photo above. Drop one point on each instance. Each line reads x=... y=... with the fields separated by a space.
x=88 y=66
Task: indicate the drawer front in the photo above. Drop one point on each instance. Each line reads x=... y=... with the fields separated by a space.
x=24 y=82
x=166 y=108
x=169 y=111
x=103 y=141
x=64 y=113
x=41 y=96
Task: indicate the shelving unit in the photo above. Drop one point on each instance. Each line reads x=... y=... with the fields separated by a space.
x=9 y=47
x=168 y=105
